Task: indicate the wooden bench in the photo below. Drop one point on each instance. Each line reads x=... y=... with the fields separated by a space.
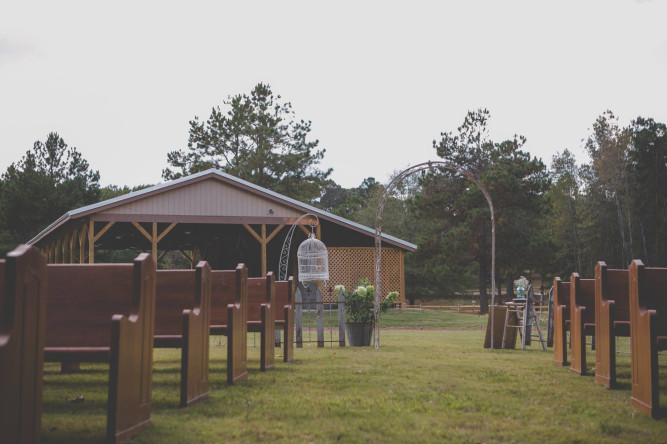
x=648 y=333
x=105 y=313
x=284 y=313
x=612 y=319
x=229 y=317
x=261 y=316
x=561 y=320
x=22 y=323
x=582 y=319
x=182 y=319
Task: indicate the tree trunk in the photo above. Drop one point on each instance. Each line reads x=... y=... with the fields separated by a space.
x=619 y=210
x=510 y=287
x=483 y=272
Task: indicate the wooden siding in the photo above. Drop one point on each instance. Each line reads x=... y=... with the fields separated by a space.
x=206 y=198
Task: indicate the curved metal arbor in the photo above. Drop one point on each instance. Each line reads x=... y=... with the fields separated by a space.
x=284 y=254
x=378 y=236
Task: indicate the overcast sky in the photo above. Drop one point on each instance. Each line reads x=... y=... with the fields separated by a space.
x=378 y=79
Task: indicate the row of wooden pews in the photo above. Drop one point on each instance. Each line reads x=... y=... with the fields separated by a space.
x=617 y=302
x=117 y=313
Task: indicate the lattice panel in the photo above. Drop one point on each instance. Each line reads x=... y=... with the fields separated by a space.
x=362 y=265
x=348 y=265
x=339 y=272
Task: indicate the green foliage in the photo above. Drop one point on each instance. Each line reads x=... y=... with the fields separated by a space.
x=258 y=139
x=612 y=208
x=360 y=302
x=48 y=181
x=456 y=228
x=111 y=191
x=351 y=202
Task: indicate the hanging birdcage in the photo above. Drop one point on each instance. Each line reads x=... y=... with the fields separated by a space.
x=313 y=260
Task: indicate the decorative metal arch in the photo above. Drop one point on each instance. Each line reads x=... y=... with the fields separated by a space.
x=378 y=236
x=284 y=253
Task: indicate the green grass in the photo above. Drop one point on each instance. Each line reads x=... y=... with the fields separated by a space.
x=421 y=386
x=408 y=318
x=428 y=319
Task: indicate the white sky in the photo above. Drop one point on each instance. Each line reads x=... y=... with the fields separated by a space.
x=379 y=79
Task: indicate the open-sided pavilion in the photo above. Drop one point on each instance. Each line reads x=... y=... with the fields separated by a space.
x=217 y=217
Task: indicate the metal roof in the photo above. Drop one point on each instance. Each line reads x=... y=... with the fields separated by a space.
x=212 y=173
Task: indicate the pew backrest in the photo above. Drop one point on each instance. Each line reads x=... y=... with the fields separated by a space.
x=82 y=299
x=285 y=295
x=648 y=293
x=22 y=310
x=613 y=285
x=562 y=297
x=175 y=292
x=228 y=287
x=261 y=291
x=582 y=294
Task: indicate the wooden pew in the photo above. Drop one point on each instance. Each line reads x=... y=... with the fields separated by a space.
x=612 y=319
x=648 y=333
x=261 y=316
x=285 y=294
x=582 y=319
x=182 y=319
x=561 y=320
x=229 y=317
x=105 y=313
x=22 y=322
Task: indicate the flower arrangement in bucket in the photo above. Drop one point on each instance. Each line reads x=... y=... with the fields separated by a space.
x=359 y=316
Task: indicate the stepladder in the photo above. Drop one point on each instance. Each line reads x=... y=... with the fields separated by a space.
x=520 y=313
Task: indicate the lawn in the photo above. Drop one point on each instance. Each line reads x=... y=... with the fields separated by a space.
x=424 y=385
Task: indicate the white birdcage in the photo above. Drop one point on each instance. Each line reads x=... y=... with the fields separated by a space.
x=313 y=260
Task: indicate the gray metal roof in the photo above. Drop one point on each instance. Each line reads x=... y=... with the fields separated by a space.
x=94 y=208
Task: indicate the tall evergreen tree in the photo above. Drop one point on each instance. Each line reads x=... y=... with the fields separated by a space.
x=48 y=181
x=564 y=220
x=455 y=214
x=647 y=159
x=258 y=139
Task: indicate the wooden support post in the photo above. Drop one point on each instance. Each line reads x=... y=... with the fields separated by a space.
x=153 y=237
x=154 y=242
x=47 y=251
x=63 y=249
x=56 y=254
x=195 y=253
x=82 y=244
x=72 y=243
x=91 y=242
x=263 y=250
x=263 y=240
x=92 y=238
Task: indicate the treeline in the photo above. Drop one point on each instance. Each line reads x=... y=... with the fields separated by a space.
x=549 y=221
x=613 y=208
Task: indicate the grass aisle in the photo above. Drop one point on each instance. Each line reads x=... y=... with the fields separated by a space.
x=421 y=386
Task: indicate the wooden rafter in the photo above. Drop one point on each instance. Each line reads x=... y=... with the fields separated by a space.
x=102 y=231
x=273 y=234
x=154 y=237
x=143 y=231
x=263 y=240
x=166 y=231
